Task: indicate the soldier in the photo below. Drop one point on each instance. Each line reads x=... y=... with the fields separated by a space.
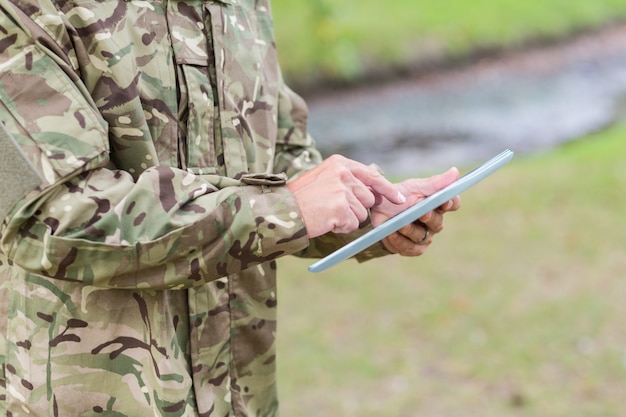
x=156 y=167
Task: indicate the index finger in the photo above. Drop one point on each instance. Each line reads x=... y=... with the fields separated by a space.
x=380 y=185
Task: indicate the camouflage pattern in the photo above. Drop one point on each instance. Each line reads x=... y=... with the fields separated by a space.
x=138 y=277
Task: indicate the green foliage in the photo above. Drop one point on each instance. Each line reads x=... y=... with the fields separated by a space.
x=517 y=308
x=346 y=38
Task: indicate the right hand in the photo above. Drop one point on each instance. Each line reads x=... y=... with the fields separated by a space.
x=335 y=196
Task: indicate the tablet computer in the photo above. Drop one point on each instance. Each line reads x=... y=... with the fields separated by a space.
x=414 y=212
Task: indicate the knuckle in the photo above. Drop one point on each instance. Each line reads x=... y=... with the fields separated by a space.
x=336 y=159
x=350 y=225
x=346 y=223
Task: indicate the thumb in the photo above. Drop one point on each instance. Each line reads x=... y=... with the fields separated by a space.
x=437 y=182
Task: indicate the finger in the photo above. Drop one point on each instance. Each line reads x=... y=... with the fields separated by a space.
x=358 y=209
x=451 y=205
x=365 y=196
x=377 y=182
x=416 y=233
x=433 y=220
x=401 y=245
x=354 y=212
x=378 y=199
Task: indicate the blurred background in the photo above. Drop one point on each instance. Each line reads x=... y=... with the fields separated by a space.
x=519 y=307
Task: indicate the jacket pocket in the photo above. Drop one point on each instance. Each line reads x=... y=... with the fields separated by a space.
x=199 y=154
x=195 y=66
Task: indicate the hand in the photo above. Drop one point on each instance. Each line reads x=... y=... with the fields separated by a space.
x=412 y=240
x=336 y=195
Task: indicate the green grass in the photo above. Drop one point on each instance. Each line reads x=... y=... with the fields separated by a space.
x=516 y=310
x=346 y=38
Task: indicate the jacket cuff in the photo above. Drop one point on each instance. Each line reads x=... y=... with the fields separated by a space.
x=280 y=227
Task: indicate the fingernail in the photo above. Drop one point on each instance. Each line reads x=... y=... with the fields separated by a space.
x=401 y=197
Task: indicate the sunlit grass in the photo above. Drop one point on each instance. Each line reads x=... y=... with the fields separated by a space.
x=517 y=309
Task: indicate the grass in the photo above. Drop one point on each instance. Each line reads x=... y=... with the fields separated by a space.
x=516 y=310
x=347 y=38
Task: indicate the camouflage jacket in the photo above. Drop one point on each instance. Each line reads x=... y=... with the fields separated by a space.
x=143 y=205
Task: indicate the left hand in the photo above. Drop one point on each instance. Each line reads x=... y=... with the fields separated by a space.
x=410 y=240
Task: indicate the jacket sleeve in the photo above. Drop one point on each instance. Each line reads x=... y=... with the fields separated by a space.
x=87 y=221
